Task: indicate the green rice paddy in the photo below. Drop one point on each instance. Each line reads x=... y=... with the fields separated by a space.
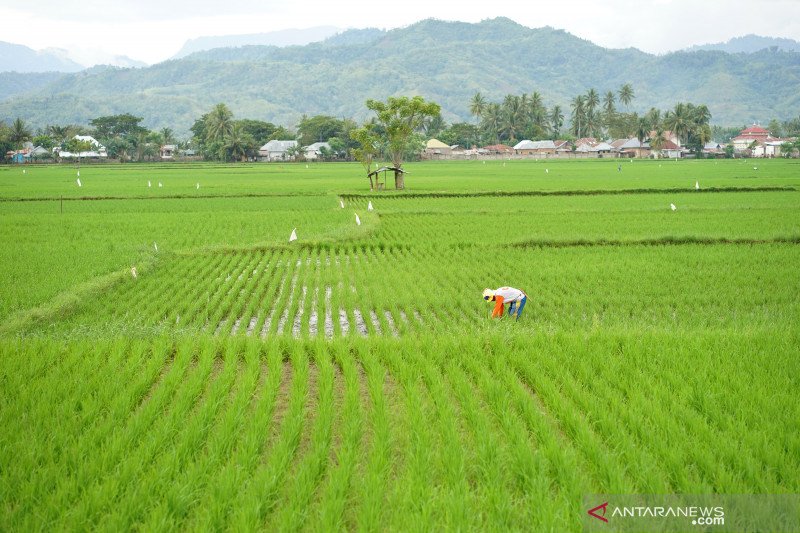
x=353 y=380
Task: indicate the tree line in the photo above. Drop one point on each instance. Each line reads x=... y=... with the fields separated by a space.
x=218 y=135
x=590 y=115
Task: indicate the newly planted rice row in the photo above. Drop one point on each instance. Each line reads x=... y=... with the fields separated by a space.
x=477 y=435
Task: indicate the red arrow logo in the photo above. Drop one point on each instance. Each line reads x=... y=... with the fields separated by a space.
x=600 y=517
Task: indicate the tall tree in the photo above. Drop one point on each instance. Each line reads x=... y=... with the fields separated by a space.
x=367 y=149
x=19 y=132
x=477 y=105
x=609 y=109
x=626 y=95
x=578 y=116
x=111 y=126
x=401 y=117
x=59 y=134
x=319 y=128
x=218 y=124
x=538 y=116
x=513 y=116
x=167 y=136
x=556 y=120
x=237 y=143
x=679 y=121
x=492 y=120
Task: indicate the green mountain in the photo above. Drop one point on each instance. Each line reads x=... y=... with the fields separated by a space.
x=443 y=61
x=750 y=43
x=20 y=58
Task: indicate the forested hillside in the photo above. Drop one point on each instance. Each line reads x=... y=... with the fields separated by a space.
x=447 y=62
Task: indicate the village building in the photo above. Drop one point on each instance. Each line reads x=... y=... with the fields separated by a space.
x=758 y=141
x=98 y=151
x=603 y=149
x=534 y=148
x=498 y=149
x=168 y=151
x=633 y=147
x=276 y=150
x=436 y=149
x=314 y=151
x=669 y=149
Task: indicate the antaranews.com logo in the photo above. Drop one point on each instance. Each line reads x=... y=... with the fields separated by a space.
x=699 y=512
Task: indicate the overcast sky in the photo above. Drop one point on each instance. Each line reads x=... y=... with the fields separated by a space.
x=154 y=30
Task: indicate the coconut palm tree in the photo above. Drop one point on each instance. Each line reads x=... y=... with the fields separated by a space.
x=19 y=132
x=537 y=113
x=513 y=116
x=59 y=134
x=609 y=109
x=679 y=121
x=167 y=136
x=219 y=123
x=591 y=101
x=491 y=121
x=578 y=116
x=478 y=105
x=238 y=143
x=556 y=120
x=626 y=95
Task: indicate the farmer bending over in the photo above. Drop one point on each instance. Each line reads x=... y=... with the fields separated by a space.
x=506 y=295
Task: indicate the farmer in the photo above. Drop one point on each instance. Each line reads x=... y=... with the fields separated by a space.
x=506 y=295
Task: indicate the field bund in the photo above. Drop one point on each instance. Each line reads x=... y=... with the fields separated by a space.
x=352 y=378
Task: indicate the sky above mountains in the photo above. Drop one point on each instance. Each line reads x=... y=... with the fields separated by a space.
x=154 y=30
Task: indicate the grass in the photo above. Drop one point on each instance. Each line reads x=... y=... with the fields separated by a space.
x=352 y=379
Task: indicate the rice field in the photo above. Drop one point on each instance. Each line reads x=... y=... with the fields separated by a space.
x=352 y=379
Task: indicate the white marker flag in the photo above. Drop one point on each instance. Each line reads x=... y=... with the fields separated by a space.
x=672 y=206
x=79 y=173
x=79 y=182
x=697 y=185
x=155 y=246
x=358 y=220
x=293 y=236
x=198 y=186
x=369 y=207
x=149 y=184
x=159 y=184
x=341 y=203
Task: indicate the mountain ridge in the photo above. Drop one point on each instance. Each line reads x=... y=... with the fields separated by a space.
x=749 y=44
x=442 y=61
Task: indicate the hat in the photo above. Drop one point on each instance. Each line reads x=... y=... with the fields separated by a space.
x=488 y=294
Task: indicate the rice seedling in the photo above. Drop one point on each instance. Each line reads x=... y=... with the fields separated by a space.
x=169 y=361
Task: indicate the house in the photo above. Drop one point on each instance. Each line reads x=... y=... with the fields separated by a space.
x=527 y=147
x=19 y=156
x=314 y=151
x=770 y=148
x=669 y=150
x=758 y=141
x=40 y=151
x=168 y=151
x=634 y=148
x=748 y=136
x=98 y=151
x=713 y=149
x=276 y=150
x=436 y=149
x=603 y=149
x=498 y=149
x=617 y=144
